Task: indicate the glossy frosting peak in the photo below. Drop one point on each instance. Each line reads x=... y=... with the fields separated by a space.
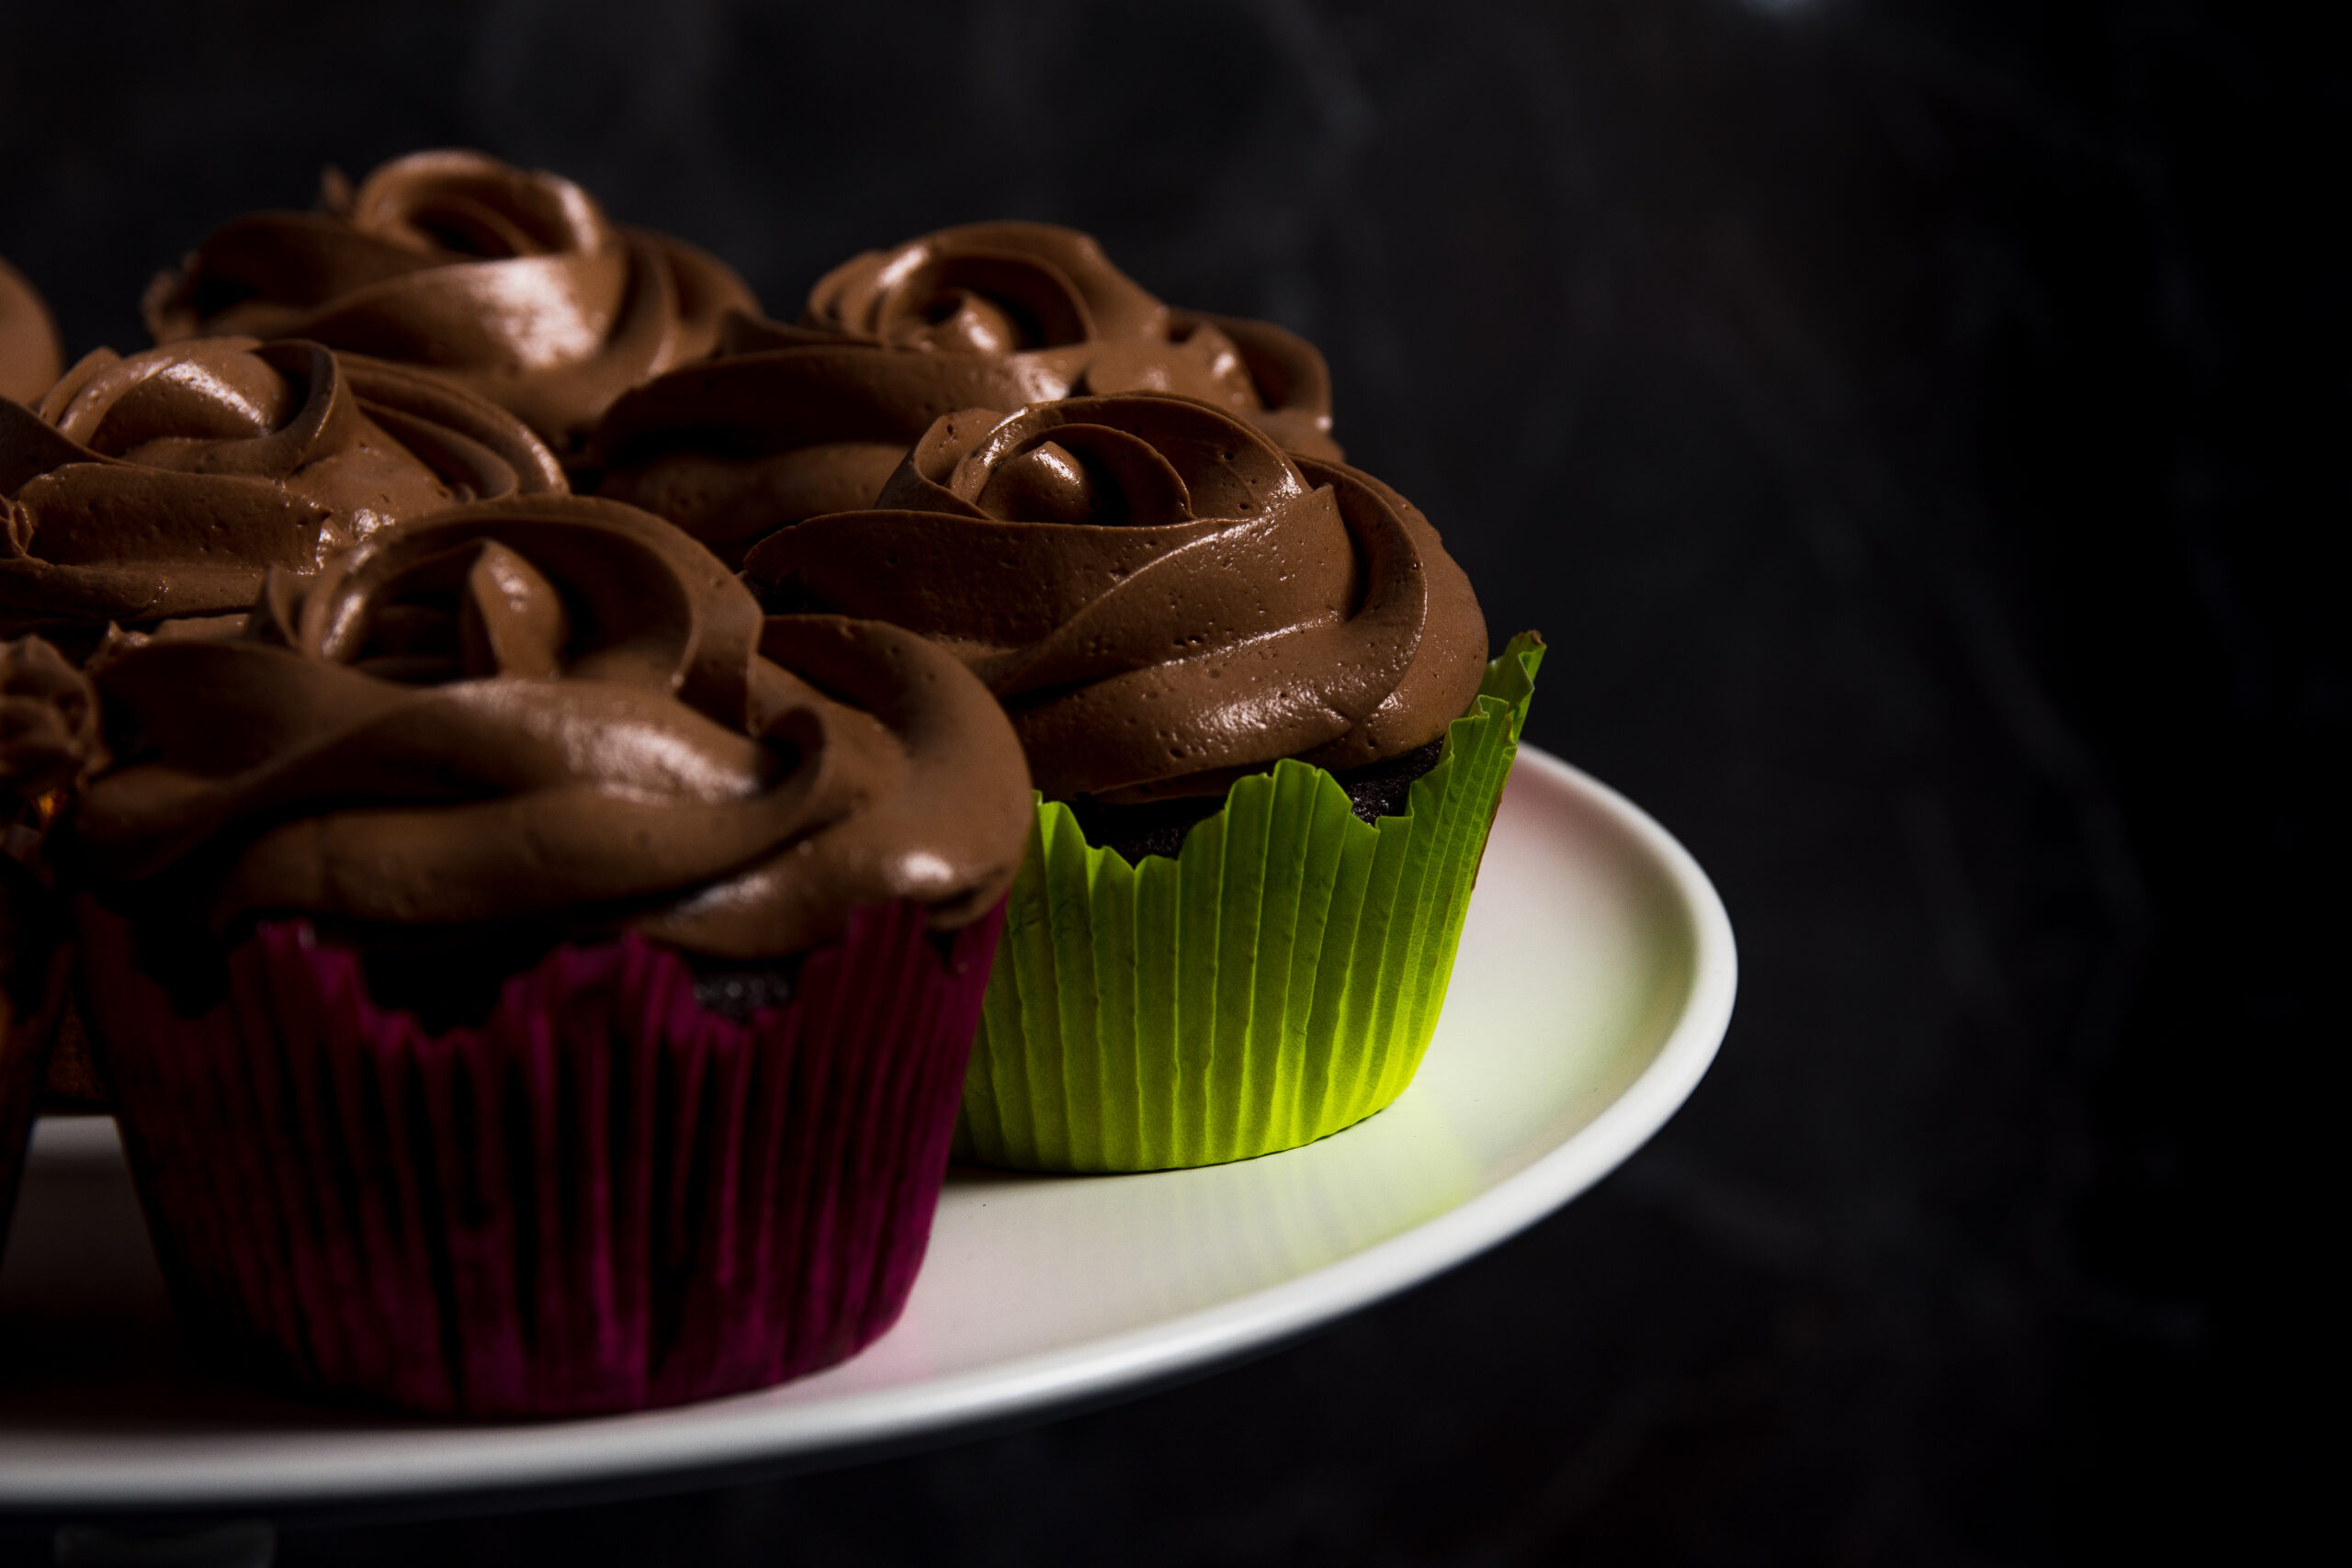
x=1160 y=596
x=29 y=355
x=555 y=709
x=509 y=281
x=795 y=421
x=165 y=484
x=1049 y=296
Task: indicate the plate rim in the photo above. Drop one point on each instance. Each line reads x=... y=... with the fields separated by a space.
x=637 y=1446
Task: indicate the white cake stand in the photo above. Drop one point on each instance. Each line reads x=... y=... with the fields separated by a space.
x=1594 y=985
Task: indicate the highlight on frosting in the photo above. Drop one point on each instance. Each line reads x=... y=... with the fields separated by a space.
x=793 y=421
x=31 y=355
x=1160 y=596
x=512 y=282
x=49 y=724
x=558 y=709
x=165 y=484
x=1048 y=295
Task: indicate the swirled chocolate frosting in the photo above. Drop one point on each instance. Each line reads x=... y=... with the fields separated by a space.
x=165 y=484
x=29 y=355
x=511 y=282
x=553 y=709
x=49 y=724
x=1161 y=597
x=791 y=422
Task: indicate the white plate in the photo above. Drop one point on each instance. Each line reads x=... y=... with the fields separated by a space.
x=1594 y=984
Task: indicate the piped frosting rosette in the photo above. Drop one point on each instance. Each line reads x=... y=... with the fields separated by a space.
x=510 y=282
x=690 y=1141
x=1169 y=606
x=795 y=421
x=166 y=485
x=30 y=354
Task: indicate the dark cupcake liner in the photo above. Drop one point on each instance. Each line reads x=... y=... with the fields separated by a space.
x=33 y=970
x=605 y=1197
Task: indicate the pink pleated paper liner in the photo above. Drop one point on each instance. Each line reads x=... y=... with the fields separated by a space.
x=604 y=1198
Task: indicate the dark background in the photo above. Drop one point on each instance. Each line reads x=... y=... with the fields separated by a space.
x=1919 y=428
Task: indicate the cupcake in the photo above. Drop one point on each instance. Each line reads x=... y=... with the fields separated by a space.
x=1253 y=690
x=29 y=355
x=795 y=421
x=509 y=282
x=163 y=487
x=531 y=981
x=49 y=742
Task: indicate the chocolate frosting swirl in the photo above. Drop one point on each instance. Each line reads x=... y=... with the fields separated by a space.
x=792 y=421
x=29 y=355
x=166 y=483
x=508 y=281
x=1161 y=597
x=48 y=723
x=554 y=709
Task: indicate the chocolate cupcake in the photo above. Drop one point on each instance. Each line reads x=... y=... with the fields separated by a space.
x=531 y=981
x=795 y=421
x=509 y=282
x=30 y=356
x=1253 y=689
x=163 y=486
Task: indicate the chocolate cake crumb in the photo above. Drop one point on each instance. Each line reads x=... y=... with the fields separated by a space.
x=1374 y=790
x=737 y=994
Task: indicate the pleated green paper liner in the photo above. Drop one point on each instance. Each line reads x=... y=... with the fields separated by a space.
x=1275 y=982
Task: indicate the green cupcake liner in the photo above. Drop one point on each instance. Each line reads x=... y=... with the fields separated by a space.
x=1275 y=982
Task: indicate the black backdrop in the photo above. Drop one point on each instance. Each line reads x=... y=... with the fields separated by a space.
x=1917 y=426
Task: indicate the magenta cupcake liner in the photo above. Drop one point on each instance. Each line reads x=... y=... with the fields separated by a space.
x=605 y=1197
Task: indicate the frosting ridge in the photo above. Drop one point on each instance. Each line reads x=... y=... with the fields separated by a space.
x=795 y=421
x=48 y=723
x=1160 y=596
x=165 y=484
x=1049 y=295
x=510 y=282
x=556 y=710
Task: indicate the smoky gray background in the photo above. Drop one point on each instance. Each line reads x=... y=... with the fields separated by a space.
x=1908 y=423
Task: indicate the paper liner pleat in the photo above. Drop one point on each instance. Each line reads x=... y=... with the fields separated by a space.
x=1279 y=979
x=605 y=1197
x=26 y=1040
